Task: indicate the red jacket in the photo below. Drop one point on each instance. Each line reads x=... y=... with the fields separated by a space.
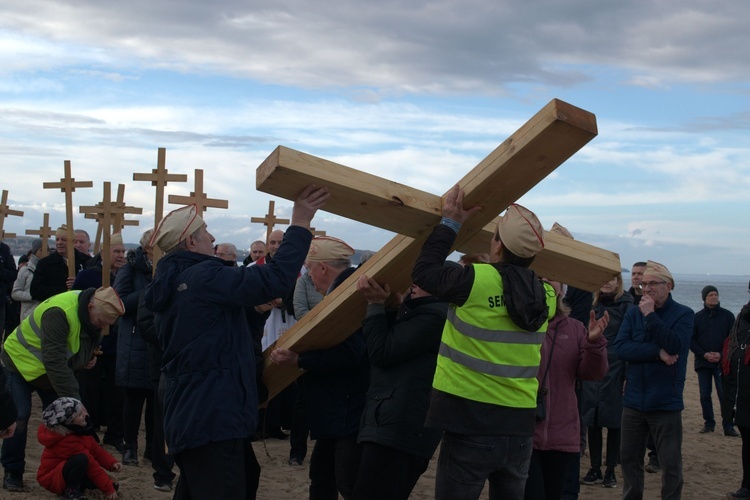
x=58 y=448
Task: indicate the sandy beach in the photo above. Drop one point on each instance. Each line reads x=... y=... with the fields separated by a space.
x=711 y=465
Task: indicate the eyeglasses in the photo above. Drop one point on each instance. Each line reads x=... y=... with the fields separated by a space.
x=651 y=284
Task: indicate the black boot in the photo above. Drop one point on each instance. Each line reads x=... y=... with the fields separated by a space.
x=130 y=456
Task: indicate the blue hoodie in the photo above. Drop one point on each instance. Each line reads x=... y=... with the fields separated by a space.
x=198 y=305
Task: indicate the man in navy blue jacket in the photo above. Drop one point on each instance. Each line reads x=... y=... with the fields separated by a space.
x=211 y=399
x=654 y=339
x=712 y=326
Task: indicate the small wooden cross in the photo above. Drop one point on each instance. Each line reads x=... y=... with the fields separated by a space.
x=67 y=185
x=159 y=177
x=103 y=212
x=5 y=211
x=119 y=209
x=198 y=197
x=44 y=232
x=317 y=233
x=270 y=220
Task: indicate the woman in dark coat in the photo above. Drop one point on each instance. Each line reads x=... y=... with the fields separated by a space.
x=396 y=446
x=132 y=369
x=602 y=399
x=735 y=364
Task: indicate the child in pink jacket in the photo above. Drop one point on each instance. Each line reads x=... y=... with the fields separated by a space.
x=72 y=460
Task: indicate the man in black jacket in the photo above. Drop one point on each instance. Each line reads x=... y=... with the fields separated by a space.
x=8 y=274
x=51 y=274
x=335 y=383
x=712 y=326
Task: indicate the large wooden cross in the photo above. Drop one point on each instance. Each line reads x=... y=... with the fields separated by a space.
x=102 y=212
x=270 y=220
x=44 y=232
x=5 y=211
x=198 y=197
x=68 y=185
x=159 y=177
x=530 y=154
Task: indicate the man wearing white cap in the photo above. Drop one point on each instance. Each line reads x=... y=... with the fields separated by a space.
x=43 y=354
x=654 y=339
x=211 y=400
x=336 y=382
x=484 y=393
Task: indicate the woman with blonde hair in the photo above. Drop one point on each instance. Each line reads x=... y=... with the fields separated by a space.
x=602 y=399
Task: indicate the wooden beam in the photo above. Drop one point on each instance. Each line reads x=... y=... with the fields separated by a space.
x=5 y=211
x=560 y=125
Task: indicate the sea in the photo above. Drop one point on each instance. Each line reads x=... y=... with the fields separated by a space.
x=733 y=290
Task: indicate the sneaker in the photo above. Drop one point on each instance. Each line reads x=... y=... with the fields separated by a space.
x=742 y=493
x=706 y=429
x=13 y=481
x=729 y=431
x=594 y=476
x=652 y=467
x=165 y=486
x=610 y=481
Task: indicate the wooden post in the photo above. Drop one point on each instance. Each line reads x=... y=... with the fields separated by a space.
x=67 y=185
x=44 y=232
x=5 y=211
x=270 y=220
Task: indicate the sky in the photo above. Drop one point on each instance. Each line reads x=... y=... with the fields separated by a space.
x=415 y=92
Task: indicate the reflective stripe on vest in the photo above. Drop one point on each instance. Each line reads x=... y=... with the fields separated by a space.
x=24 y=344
x=483 y=355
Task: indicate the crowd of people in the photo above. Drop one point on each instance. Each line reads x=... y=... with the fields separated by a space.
x=511 y=375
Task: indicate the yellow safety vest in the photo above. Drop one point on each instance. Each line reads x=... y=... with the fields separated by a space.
x=486 y=357
x=24 y=345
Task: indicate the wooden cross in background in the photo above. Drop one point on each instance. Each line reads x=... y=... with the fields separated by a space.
x=530 y=154
x=5 y=211
x=198 y=197
x=103 y=212
x=317 y=233
x=67 y=185
x=270 y=220
x=44 y=232
x=118 y=210
x=159 y=177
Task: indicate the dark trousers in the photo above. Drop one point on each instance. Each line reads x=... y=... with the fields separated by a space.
x=745 y=433
x=14 y=448
x=102 y=399
x=666 y=429
x=74 y=473
x=132 y=409
x=467 y=462
x=596 y=443
x=334 y=464
x=160 y=460
x=386 y=472
x=300 y=429
x=547 y=471
x=223 y=469
x=706 y=378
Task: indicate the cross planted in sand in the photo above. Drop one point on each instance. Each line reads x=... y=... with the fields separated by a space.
x=535 y=150
x=67 y=185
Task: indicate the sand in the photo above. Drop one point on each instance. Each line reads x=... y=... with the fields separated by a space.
x=711 y=464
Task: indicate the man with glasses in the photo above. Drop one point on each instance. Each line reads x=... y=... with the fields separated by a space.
x=654 y=339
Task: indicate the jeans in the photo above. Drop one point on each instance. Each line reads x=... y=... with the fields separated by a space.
x=467 y=462
x=707 y=377
x=547 y=473
x=385 y=472
x=666 y=429
x=14 y=448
